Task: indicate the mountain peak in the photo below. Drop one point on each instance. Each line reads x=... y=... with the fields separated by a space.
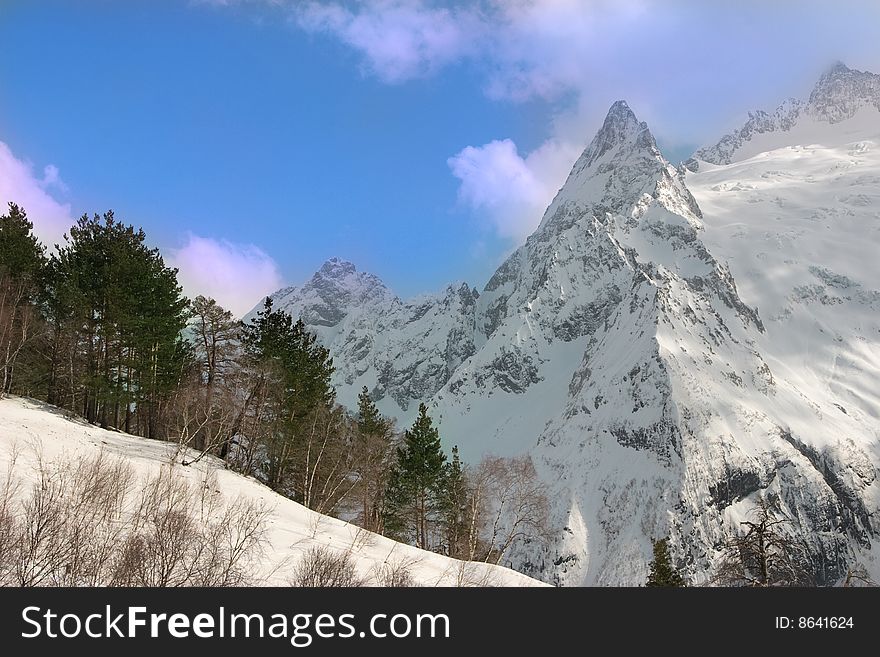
x=332 y=293
x=837 y=68
x=621 y=164
x=837 y=73
x=841 y=92
x=620 y=108
x=337 y=268
x=340 y=274
x=621 y=131
x=620 y=128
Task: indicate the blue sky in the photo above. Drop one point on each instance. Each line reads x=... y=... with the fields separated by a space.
x=253 y=139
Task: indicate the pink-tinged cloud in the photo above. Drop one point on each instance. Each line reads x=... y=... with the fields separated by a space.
x=18 y=184
x=238 y=276
x=400 y=39
x=509 y=190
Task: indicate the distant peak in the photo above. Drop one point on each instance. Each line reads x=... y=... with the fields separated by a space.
x=337 y=267
x=837 y=68
x=340 y=274
x=841 y=91
x=837 y=71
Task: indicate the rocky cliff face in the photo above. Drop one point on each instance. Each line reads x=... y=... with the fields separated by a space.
x=656 y=397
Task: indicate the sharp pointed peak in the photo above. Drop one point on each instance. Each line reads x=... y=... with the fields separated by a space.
x=622 y=120
x=620 y=130
x=838 y=73
x=619 y=108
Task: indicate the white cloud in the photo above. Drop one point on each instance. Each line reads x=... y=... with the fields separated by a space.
x=531 y=48
x=18 y=184
x=510 y=190
x=236 y=275
x=52 y=178
x=400 y=39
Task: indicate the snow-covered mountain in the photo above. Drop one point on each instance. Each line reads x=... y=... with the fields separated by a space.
x=403 y=351
x=669 y=344
x=841 y=95
x=34 y=436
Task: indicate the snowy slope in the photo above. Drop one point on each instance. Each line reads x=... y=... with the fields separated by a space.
x=673 y=342
x=28 y=428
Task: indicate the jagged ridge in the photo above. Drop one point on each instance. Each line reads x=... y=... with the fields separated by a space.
x=838 y=95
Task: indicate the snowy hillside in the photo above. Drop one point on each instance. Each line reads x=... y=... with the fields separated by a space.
x=671 y=344
x=30 y=430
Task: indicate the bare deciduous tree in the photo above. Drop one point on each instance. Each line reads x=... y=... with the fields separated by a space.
x=82 y=525
x=764 y=555
x=205 y=428
x=186 y=535
x=508 y=505
x=325 y=461
x=324 y=567
x=395 y=574
x=857 y=576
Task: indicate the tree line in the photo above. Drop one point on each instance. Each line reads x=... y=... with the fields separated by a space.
x=100 y=327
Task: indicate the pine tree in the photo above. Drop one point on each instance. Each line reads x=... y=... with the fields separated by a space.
x=21 y=254
x=662 y=572
x=22 y=270
x=273 y=338
x=415 y=489
x=373 y=457
x=117 y=313
x=291 y=378
x=455 y=501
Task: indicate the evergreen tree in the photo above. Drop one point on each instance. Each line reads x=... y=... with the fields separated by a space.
x=415 y=491
x=22 y=269
x=456 y=499
x=290 y=384
x=374 y=453
x=117 y=313
x=369 y=419
x=662 y=572
x=274 y=338
x=21 y=254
